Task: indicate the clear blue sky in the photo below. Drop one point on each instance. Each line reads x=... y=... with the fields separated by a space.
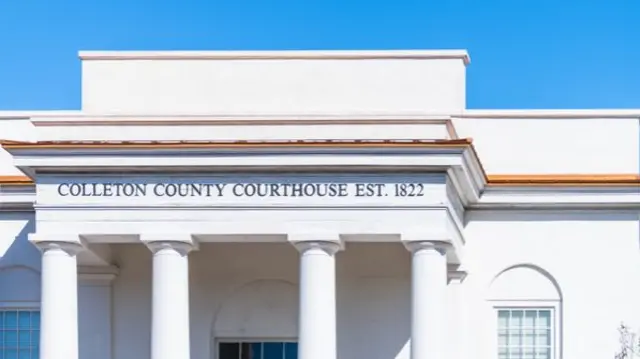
x=524 y=54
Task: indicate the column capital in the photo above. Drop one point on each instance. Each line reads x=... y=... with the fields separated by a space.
x=417 y=245
x=326 y=246
x=69 y=243
x=182 y=243
x=327 y=242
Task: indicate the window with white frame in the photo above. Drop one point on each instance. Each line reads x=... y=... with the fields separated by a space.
x=19 y=334
x=525 y=333
x=257 y=350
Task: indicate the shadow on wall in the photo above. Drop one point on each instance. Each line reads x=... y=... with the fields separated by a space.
x=376 y=322
x=20 y=262
x=262 y=308
x=373 y=316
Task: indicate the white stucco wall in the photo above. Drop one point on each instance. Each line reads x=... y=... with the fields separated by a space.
x=550 y=145
x=277 y=84
x=594 y=258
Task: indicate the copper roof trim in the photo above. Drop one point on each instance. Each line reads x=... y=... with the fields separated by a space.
x=493 y=180
x=565 y=180
x=521 y=180
x=16 y=180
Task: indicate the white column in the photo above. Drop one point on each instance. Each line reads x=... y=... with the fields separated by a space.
x=317 y=313
x=170 y=300
x=59 y=300
x=428 y=299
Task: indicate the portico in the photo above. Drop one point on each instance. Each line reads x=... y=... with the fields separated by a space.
x=94 y=195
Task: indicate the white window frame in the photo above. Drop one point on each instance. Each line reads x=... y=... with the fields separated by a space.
x=217 y=341
x=556 y=321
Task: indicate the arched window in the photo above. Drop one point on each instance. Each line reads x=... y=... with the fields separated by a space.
x=527 y=310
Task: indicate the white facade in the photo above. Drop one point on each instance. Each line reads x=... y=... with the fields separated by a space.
x=329 y=204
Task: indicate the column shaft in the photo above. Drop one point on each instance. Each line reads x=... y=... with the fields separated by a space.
x=317 y=325
x=170 y=338
x=428 y=301
x=59 y=301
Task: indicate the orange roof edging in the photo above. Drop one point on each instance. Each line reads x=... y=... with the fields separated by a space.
x=493 y=180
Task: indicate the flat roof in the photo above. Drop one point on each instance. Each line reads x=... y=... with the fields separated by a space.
x=276 y=55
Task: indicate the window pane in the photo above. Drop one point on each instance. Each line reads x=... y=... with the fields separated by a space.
x=516 y=319
x=35 y=320
x=35 y=337
x=229 y=351
x=11 y=354
x=515 y=339
x=11 y=320
x=24 y=320
x=528 y=337
x=10 y=338
x=251 y=351
x=530 y=318
x=524 y=333
x=528 y=353
x=503 y=339
x=543 y=353
x=544 y=319
x=543 y=337
x=291 y=351
x=255 y=351
x=24 y=338
x=24 y=354
x=503 y=319
x=515 y=353
x=273 y=350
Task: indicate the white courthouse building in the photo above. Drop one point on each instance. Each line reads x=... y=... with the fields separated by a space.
x=313 y=205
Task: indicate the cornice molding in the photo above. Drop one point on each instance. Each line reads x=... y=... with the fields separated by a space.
x=455 y=156
x=494 y=181
x=14 y=146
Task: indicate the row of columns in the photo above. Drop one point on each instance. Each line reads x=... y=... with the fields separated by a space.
x=170 y=336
